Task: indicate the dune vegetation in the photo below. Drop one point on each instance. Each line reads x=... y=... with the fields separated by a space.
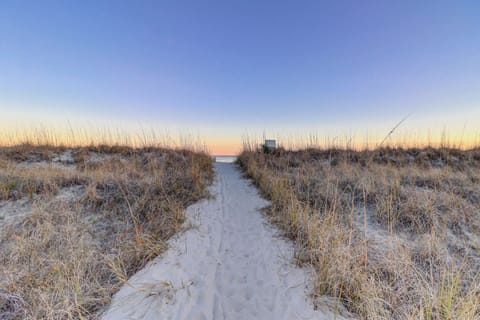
x=392 y=233
x=76 y=223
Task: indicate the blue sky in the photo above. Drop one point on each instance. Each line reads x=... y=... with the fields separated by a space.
x=230 y=67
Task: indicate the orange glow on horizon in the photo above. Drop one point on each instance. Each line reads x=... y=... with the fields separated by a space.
x=226 y=145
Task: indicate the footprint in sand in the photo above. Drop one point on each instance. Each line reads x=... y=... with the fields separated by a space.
x=242 y=268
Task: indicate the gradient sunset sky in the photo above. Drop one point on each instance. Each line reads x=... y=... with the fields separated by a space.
x=220 y=70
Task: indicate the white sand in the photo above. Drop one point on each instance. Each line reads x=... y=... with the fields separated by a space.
x=230 y=265
x=12 y=211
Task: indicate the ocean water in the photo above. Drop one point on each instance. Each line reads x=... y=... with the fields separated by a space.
x=225 y=159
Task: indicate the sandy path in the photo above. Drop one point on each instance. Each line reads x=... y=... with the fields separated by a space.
x=230 y=265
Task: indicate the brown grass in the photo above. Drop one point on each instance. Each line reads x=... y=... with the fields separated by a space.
x=392 y=233
x=97 y=215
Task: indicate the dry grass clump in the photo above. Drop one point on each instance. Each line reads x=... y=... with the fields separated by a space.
x=393 y=233
x=97 y=215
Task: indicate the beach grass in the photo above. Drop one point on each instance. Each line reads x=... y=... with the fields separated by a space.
x=92 y=216
x=393 y=233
